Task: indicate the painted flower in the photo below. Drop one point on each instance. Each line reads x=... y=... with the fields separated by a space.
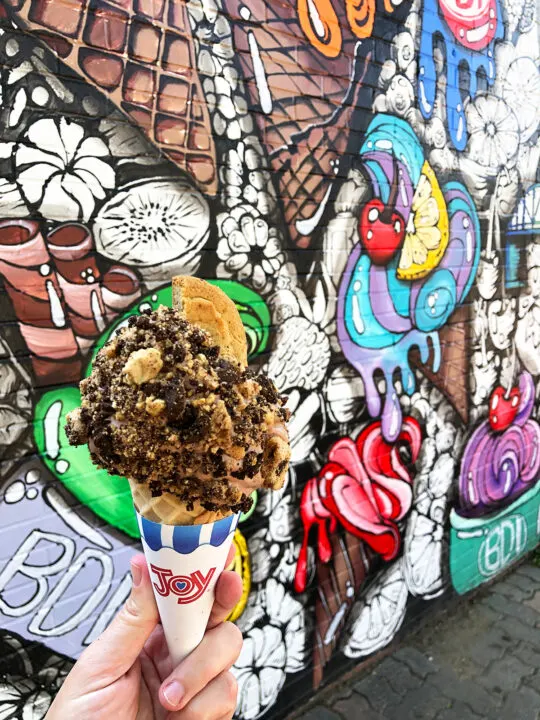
x=400 y=95
x=403 y=50
x=521 y=91
x=366 y=487
x=250 y=252
x=502 y=322
x=306 y=424
x=22 y=698
x=270 y=652
x=527 y=339
x=494 y=131
x=63 y=171
x=425 y=544
x=378 y=613
x=301 y=356
x=15 y=405
x=422 y=233
x=345 y=394
x=24 y=693
x=260 y=671
x=11 y=201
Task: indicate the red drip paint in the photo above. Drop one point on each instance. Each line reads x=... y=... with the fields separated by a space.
x=366 y=487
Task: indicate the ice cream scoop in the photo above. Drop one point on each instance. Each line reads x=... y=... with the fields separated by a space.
x=171 y=405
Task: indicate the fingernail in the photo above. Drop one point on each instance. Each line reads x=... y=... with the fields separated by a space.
x=173 y=693
x=136 y=574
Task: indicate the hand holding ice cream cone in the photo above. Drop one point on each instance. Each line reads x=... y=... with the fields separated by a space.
x=171 y=405
x=127 y=672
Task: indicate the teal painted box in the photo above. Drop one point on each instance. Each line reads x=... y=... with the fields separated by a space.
x=482 y=547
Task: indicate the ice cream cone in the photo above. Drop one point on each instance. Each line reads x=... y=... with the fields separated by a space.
x=170 y=405
x=186 y=552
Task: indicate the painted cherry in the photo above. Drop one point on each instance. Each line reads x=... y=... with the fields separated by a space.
x=381 y=227
x=502 y=409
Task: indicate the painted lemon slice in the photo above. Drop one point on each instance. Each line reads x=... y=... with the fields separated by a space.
x=426 y=235
x=241 y=565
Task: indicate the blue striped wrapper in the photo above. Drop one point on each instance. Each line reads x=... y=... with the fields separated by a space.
x=186 y=538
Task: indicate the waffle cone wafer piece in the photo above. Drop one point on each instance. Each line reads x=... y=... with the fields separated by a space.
x=167 y=509
x=211 y=309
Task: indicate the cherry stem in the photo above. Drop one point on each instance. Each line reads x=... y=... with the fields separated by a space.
x=386 y=215
x=512 y=374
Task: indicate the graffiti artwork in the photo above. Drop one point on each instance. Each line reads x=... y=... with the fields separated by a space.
x=365 y=490
x=362 y=179
x=499 y=470
x=416 y=260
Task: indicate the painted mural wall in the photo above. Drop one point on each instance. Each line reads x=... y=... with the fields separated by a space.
x=361 y=177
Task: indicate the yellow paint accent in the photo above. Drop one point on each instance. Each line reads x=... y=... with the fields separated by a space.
x=416 y=271
x=241 y=564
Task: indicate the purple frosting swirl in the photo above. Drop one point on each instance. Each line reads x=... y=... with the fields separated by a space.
x=497 y=468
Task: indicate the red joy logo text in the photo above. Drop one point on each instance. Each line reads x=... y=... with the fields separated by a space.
x=187 y=588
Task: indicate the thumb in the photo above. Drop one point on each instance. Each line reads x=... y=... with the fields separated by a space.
x=117 y=648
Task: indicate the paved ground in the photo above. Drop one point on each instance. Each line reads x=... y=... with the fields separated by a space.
x=479 y=660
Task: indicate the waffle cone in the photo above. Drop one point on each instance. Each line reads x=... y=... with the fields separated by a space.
x=167 y=509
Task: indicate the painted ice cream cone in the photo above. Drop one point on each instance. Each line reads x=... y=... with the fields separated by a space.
x=171 y=405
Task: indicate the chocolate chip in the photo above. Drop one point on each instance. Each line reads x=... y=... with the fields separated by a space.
x=268 y=389
x=178 y=353
x=155 y=489
x=212 y=353
x=175 y=401
x=187 y=419
x=143 y=322
x=227 y=373
x=252 y=463
x=218 y=464
x=199 y=429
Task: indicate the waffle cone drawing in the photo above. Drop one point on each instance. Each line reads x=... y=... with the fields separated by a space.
x=141 y=56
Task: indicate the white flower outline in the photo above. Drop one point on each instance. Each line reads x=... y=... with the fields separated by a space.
x=249 y=251
x=62 y=170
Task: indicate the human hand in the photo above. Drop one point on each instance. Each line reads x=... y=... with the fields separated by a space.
x=127 y=674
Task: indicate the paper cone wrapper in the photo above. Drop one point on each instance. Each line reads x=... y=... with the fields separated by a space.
x=185 y=562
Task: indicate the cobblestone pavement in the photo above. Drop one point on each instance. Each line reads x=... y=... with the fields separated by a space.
x=481 y=659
